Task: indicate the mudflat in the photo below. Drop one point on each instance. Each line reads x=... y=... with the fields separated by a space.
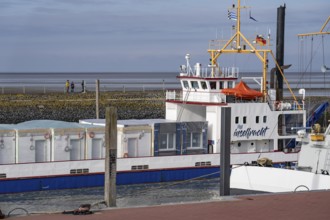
x=16 y=108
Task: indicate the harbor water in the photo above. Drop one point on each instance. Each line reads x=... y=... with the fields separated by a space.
x=127 y=196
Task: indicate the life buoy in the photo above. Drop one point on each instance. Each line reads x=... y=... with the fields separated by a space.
x=91 y=134
x=81 y=135
x=67 y=149
x=47 y=135
x=125 y=155
x=32 y=147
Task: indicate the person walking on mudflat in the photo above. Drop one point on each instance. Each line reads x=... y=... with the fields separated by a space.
x=72 y=86
x=67 y=86
x=83 y=86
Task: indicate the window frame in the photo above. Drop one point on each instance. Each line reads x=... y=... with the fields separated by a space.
x=190 y=137
x=169 y=136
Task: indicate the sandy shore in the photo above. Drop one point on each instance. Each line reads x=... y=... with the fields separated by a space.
x=74 y=106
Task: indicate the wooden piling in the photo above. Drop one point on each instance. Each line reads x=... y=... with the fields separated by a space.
x=225 y=151
x=97 y=91
x=110 y=157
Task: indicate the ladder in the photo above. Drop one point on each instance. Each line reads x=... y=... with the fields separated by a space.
x=184 y=101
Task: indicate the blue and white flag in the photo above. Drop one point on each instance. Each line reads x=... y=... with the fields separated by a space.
x=252 y=17
x=232 y=15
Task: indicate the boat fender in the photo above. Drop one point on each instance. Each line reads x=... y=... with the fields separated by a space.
x=91 y=134
x=67 y=149
x=246 y=164
x=31 y=147
x=47 y=135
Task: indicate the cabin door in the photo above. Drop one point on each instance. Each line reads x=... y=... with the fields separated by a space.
x=40 y=150
x=97 y=148
x=75 y=150
x=132 y=147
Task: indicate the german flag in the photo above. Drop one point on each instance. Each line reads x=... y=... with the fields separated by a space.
x=260 y=40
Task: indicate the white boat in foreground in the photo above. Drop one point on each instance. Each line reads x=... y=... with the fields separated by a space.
x=310 y=173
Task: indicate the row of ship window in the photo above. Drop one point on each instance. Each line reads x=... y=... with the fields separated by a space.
x=168 y=141
x=258 y=119
x=203 y=84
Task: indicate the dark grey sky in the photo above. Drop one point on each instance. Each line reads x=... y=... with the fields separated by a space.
x=143 y=35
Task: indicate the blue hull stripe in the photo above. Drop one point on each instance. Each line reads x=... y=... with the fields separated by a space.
x=94 y=180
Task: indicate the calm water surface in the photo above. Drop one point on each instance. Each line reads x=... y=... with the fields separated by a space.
x=127 y=196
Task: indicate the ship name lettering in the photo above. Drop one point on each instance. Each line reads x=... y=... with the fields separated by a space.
x=250 y=132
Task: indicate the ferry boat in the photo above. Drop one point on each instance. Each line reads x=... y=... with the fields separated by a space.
x=48 y=155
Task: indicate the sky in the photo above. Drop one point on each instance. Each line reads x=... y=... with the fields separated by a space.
x=147 y=35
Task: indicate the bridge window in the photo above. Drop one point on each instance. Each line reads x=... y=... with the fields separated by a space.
x=230 y=84
x=185 y=84
x=194 y=85
x=204 y=85
x=213 y=85
x=221 y=85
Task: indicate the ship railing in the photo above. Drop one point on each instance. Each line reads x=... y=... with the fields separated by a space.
x=213 y=72
x=196 y=97
x=171 y=95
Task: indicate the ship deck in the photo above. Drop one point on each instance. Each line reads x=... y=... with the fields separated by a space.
x=300 y=205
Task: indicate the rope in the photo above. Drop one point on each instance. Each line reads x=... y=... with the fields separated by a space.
x=301 y=186
x=27 y=213
x=303 y=60
x=173 y=184
x=323 y=50
x=98 y=204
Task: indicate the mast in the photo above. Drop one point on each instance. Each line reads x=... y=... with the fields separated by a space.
x=248 y=48
x=238 y=24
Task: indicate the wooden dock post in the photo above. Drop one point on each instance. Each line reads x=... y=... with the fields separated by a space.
x=97 y=91
x=110 y=157
x=225 y=151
